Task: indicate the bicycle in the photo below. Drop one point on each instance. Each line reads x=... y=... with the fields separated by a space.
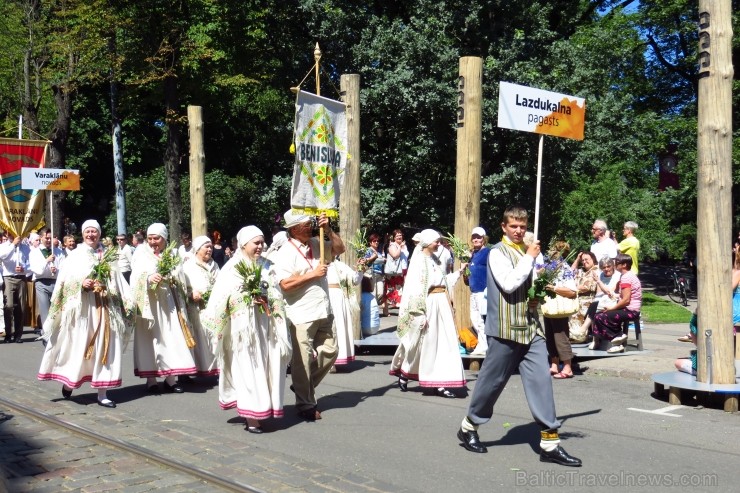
x=678 y=288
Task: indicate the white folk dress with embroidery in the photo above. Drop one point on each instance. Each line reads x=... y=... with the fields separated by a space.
x=200 y=277
x=343 y=300
x=253 y=348
x=160 y=349
x=74 y=316
x=429 y=349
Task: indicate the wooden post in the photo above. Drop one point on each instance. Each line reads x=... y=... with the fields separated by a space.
x=317 y=59
x=468 y=180
x=349 y=199
x=198 y=221
x=714 y=185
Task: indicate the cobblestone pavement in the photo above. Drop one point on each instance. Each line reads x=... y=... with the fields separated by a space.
x=39 y=457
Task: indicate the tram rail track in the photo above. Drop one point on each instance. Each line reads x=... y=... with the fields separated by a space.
x=137 y=451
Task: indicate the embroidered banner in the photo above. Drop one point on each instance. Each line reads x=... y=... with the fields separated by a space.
x=320 y=141
x=21 y=211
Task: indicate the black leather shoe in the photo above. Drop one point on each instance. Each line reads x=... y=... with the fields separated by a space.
x=403 y=384
x=443 y=392
x=154 y=389
x=107 y=403
x=173 y=389
x=66 y=393
x=312 y=414
x=471 y=441
x=19 y=340
x=254 y=429
x=560 y=456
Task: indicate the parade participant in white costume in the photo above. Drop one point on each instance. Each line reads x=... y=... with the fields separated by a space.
x=200 y=274
x=89 y=321
x=342 y=280
x=163 y=337
x=429 y=348
x=253 y=343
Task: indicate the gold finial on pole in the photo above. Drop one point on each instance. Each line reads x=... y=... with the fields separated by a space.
x=317 y=57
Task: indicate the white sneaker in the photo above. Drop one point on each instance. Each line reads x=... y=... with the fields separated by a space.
x=615 y=349
x=592 y=346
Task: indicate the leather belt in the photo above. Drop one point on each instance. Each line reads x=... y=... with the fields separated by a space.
x=334 y=286
x=437 y=289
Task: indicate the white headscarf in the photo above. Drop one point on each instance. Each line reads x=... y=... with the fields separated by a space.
x=158 y=229
x=428 y=236
x=91 y=223
x=199 y=242
x=277 y=241
x=247 y=233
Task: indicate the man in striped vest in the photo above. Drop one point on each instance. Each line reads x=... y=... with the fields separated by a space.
x=515 y=341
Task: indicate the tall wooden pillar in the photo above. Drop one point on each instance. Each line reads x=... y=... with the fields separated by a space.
x=714 y=185
x=468 y=179
x=349 y=200
x=197 y=164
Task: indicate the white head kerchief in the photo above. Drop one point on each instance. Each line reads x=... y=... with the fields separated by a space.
x=247 y=233
x=199 y=242
x=158 y=229
x=91 y=223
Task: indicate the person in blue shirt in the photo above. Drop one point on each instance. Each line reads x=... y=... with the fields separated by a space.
x=477 y=283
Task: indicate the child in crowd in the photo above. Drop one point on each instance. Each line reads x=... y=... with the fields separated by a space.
x=369 y=313
x=688 y=365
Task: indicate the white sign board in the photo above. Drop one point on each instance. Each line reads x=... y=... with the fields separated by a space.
x=50 y=179
x=543 y=112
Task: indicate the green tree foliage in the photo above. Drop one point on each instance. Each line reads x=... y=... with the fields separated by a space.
x=634 y=62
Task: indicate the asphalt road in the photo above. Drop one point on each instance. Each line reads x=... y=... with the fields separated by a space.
x=407 y=440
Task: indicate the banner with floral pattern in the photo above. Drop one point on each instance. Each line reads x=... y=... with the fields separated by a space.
x=320 y=141
x=21 y=211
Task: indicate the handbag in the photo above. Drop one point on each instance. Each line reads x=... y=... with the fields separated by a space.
x=393 y=266
x=560 y=306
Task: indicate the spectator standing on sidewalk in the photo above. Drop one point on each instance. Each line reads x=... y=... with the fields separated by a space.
x=477 y=283
x=45 y=262
x=14 y=255
x=602 y=246
x=630 y=245
x=125 y=255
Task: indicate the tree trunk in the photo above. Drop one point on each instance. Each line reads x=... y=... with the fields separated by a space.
x=57 y=149
x=172 y=157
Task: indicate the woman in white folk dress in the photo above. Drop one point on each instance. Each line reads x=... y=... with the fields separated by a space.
x=429 y=349
x=342 y=280
x=200 y=274
x=89 y=321
x=163 y=338
x=254 y=347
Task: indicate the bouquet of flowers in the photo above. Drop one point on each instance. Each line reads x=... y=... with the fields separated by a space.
x=360 y=246
x=253 y=286
x=204 y=297
x=460 y=250
x=547 y=274
x=168 y=261
x=101 y=271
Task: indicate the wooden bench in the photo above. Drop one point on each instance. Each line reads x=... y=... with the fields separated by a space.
x=677 y=381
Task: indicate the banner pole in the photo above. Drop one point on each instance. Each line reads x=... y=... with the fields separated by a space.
x=539 y=185
x=20 y=127
x=317 y=58
x=51 y=215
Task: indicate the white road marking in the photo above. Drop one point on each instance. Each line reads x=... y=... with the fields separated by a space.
x=663 y=411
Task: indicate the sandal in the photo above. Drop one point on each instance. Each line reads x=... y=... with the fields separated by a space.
x=562 y=376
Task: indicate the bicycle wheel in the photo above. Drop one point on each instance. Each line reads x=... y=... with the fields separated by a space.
x=683 y=291
x=673 y=293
